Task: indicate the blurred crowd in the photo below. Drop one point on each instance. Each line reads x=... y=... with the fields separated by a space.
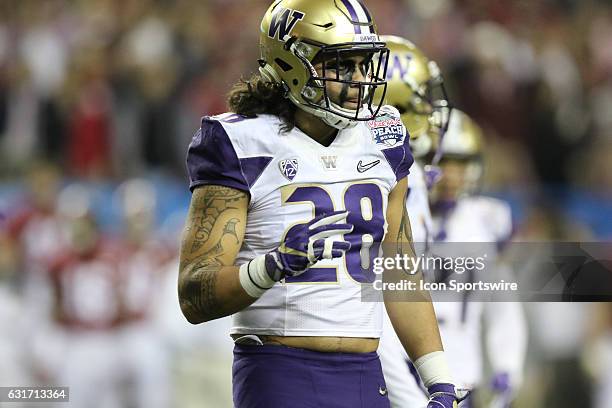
x=110 y=89
x=99 y=99
x=96 y=309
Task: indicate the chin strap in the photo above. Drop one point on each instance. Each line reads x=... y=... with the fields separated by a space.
x=329 y=118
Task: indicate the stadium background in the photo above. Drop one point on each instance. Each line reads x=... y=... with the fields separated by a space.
x=97 y=92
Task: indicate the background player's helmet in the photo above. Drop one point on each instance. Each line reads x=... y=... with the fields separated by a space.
x=416 y=88
x=298 y=34
x=463 y=139
x=462 y=144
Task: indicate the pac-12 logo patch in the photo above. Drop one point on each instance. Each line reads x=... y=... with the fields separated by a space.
x=288 y=168
x=387 y=130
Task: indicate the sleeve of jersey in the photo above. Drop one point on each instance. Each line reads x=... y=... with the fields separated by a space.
x=399 y=157
x=211 y=159
x=404 y=166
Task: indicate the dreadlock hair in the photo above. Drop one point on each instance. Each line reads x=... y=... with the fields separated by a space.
x=255 y=96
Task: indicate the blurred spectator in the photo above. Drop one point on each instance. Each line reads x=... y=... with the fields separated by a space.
x=35 y=232
x=89 y=123
x=109 y=88
x=102 y=336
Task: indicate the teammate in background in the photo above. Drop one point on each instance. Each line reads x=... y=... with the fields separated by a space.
x=292 y=195
x=416 y=88
x=461 y=215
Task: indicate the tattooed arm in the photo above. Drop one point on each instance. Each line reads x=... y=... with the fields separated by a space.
x=208 y=285
x=414 y=320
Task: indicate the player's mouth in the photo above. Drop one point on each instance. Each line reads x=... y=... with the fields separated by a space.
x=351 y=103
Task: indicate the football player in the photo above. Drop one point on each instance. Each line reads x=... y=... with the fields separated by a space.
x=462 y=215
x=292 y=194
x=416 y=88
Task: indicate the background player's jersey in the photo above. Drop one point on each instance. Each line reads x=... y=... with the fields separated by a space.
x=473 y=219
x=488 y=222
x=403 y=390
x=417 y=205
x=291 y=179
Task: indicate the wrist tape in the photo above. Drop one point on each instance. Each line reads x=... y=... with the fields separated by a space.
x=433 y=369
x=254 y=277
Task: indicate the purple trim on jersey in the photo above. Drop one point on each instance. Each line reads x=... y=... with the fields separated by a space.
x=211 y=159
x=278 y=376
x=400 y=159
x=353 y=14
x=253 y=167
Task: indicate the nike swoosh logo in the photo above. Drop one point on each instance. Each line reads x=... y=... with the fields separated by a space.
x=365 y=167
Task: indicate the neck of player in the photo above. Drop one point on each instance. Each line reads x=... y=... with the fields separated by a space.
x=314 y=127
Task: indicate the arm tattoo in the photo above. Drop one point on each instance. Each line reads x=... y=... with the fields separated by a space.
x=405 y=232
x=208 y=209
x=198 y=298
x=197 y=288
x=230 y=228
x=197 y=283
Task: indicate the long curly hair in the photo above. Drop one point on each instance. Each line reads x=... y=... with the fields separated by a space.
x=254 y=96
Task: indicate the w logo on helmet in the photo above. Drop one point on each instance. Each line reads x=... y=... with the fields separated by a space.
x=283 y=21
x=399 y=65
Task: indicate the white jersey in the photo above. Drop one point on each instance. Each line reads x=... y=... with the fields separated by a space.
x=483 y=220
x=291 y=179
x=403 y=389
x=417 y=205
x=473 y=219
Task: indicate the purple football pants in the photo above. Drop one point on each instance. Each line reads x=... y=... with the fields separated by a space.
x=271 y=376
